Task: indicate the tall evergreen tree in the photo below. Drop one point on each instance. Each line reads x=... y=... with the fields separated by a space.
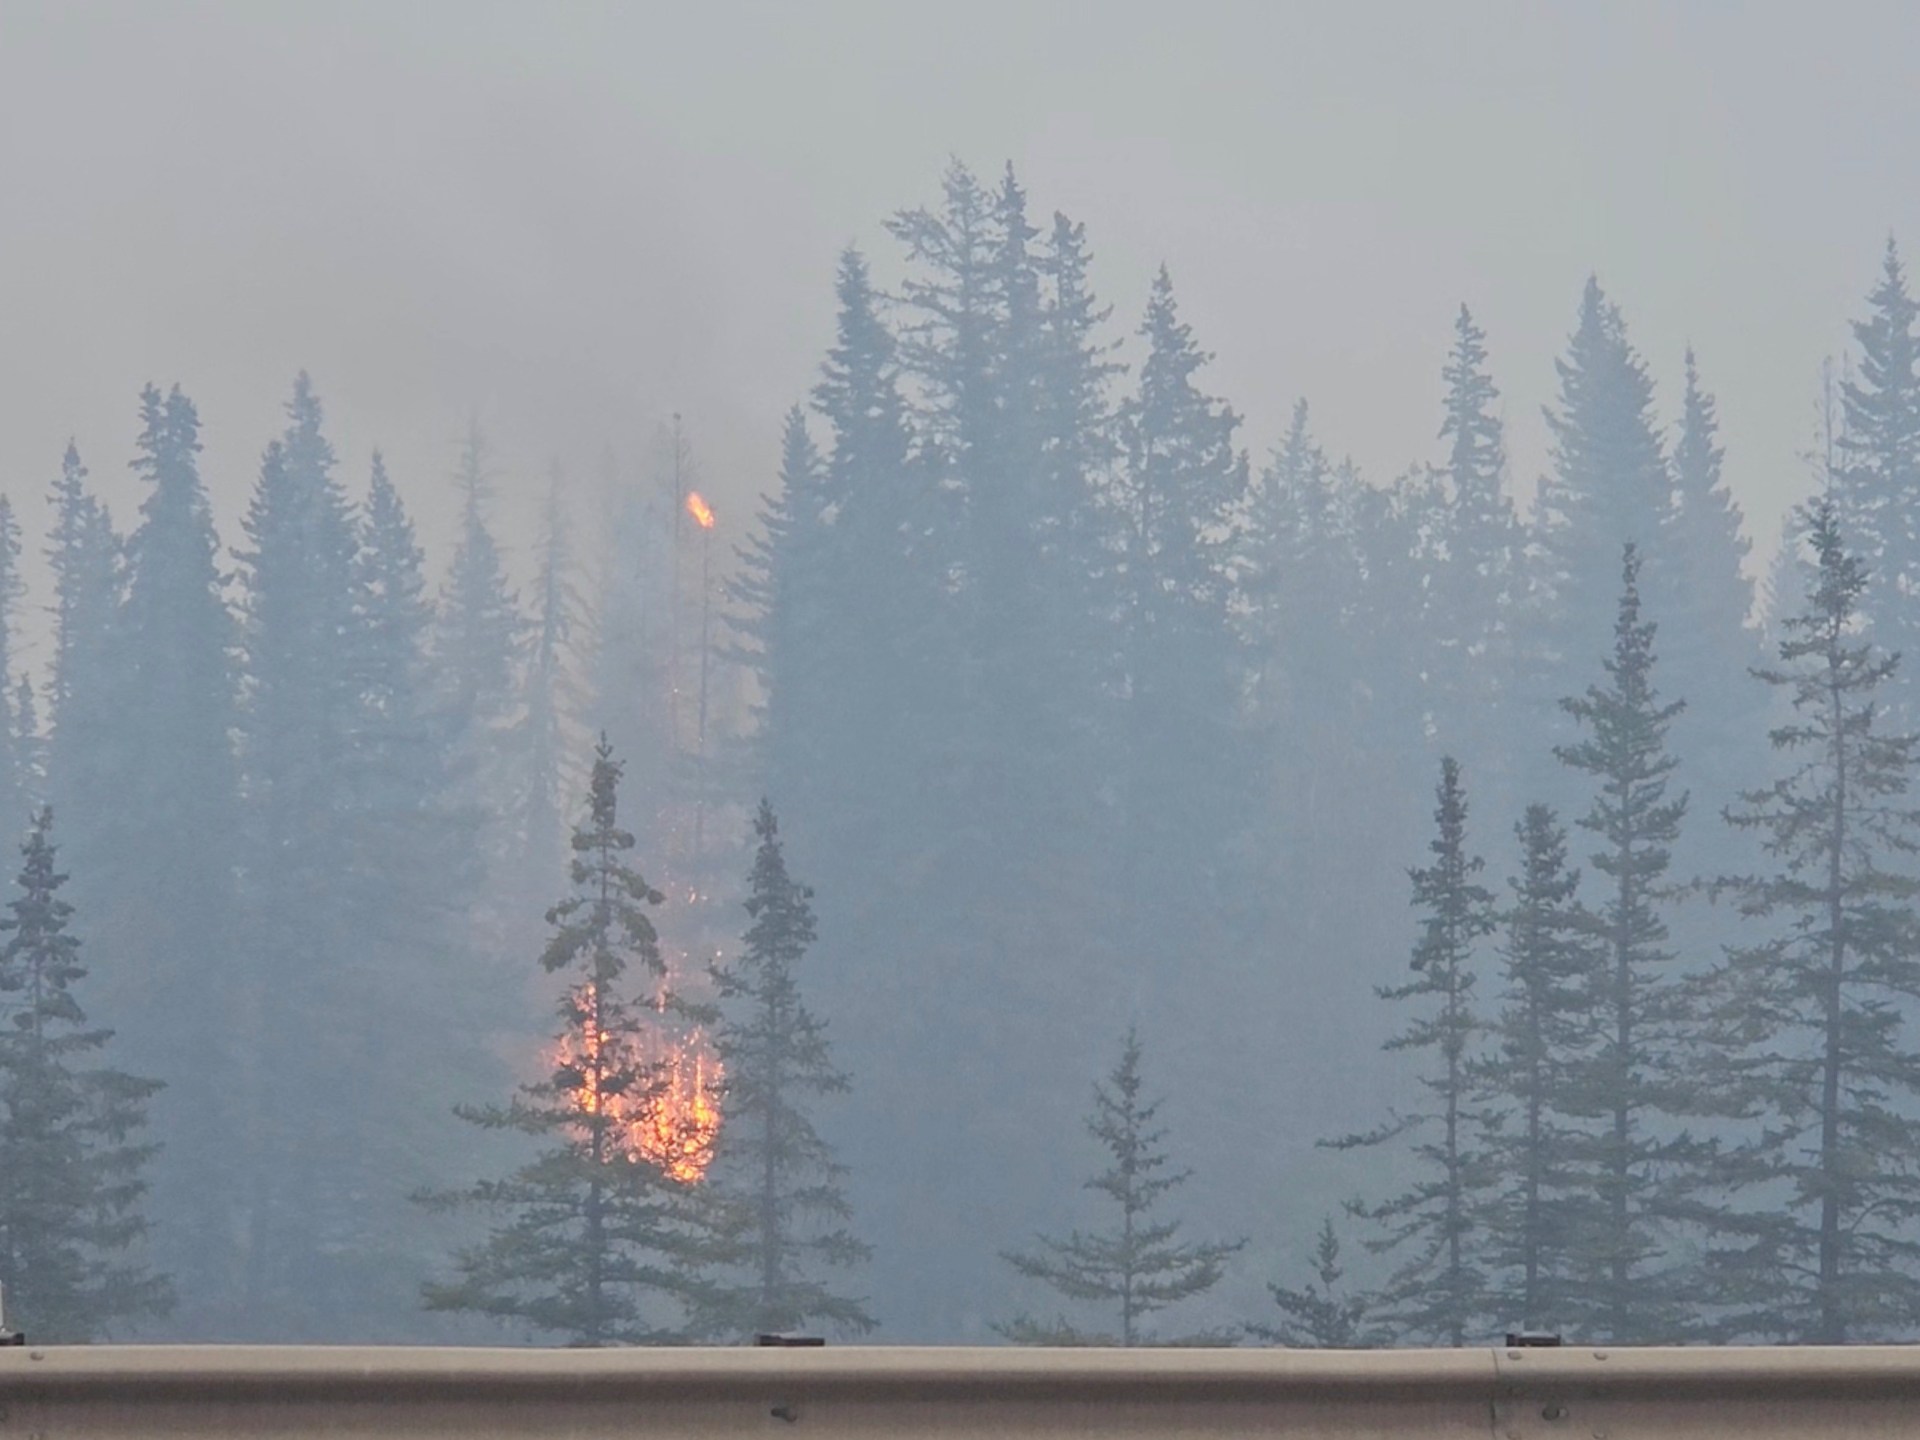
x=84 y=555
x=591 y=1237
x=478 y=644
x=72 y=1168
x=1609 y=487
x=164 y=879
x=1178 y=492
x=16 y=781
x=1437 y=1292
x=1877 y=481
x=1476 y=549
x=1635 y=1088
x=1708 y=602
x=553 y=700
x=1543 y=1035
x=1139 y=1266
x=788 y=1215
x=1819 y=1243
x=305 y=916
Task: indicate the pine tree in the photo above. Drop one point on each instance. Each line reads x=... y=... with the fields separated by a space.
x=1437 y=1293
x=591 y=1235
x=1324 y=1316
x=1634 y=1089
x=478 y=646
x=16 y=787
x=84 y=555
x=1819 y=1243
x=163 y=878
x=788 y=1226
x=552 y=702
x=306 y=918
x=1179 y=490
x=1708 y=601
x=1610 y=487
x=1139 y=1266
x=1877 y=482
x=72 y=1170
x=1543 y=1034
x=1476 y=587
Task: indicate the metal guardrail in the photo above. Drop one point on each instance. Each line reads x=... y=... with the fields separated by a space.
x=1863 y=1393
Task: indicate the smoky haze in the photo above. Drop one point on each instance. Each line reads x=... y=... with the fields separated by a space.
x=576 y=221
x=1108 y=697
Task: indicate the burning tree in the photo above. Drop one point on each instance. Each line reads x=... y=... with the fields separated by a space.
x=598 y=1221
x=1139 y=1266
x=782 y=1217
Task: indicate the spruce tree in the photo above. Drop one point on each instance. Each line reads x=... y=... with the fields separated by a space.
x=1634 y=1089
x=784 y=1210
x=16 y=782
x=1609 y=487
x=1707 y=602
x=1877 y=480
x=477 y=650
x=162 y=876
x=305 y=916
x=72 y=1166
x=84 y=555
x=589 y=1237
x=1477 y=585
x=1818 y=1245
x=1137 y=1266
x=1542 y=1035
x=552 y=702
x=1179 y=489
x=1437 y=1291
x=1325 y=1315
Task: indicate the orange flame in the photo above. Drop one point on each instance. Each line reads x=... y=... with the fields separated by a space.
x=699 y=510
x=671 y=1127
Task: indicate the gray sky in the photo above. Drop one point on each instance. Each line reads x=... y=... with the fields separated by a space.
x=575 y=218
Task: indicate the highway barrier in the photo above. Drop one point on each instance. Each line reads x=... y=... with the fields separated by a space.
x=1572 y=1393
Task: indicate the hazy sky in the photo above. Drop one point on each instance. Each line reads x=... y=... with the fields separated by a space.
x=572 y=219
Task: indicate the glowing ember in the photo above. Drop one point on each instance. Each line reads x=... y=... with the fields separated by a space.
x=674 y=1125
x=680 y=1124
x=699 y=510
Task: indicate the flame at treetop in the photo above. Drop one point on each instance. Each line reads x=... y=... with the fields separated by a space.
x=671 y=1125
x=699 y=510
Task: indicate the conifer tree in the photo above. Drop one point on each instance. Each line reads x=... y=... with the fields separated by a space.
x=1179 y=490
x=1634 y=1088
x=16 y=787
x=1819 y=1243
x=589 y=1237
x=552 y=701
x=478 y=646
x=1609 y=487
x=1542 y=1034
x=1477 y=584
x=1708 y=603
x=306 y=912
x=72 y=1165
x=1877 y=481
x=786 y=1212
x=1138 y=1265
x=162 y=882
x=83 y=553
x=1437 y=1291
x=1325 y=1315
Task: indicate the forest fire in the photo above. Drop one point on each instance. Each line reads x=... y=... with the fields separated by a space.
x=672 y=1126
x=698 y=508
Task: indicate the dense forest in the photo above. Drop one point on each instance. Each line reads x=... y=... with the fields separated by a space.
x=1059 y=878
